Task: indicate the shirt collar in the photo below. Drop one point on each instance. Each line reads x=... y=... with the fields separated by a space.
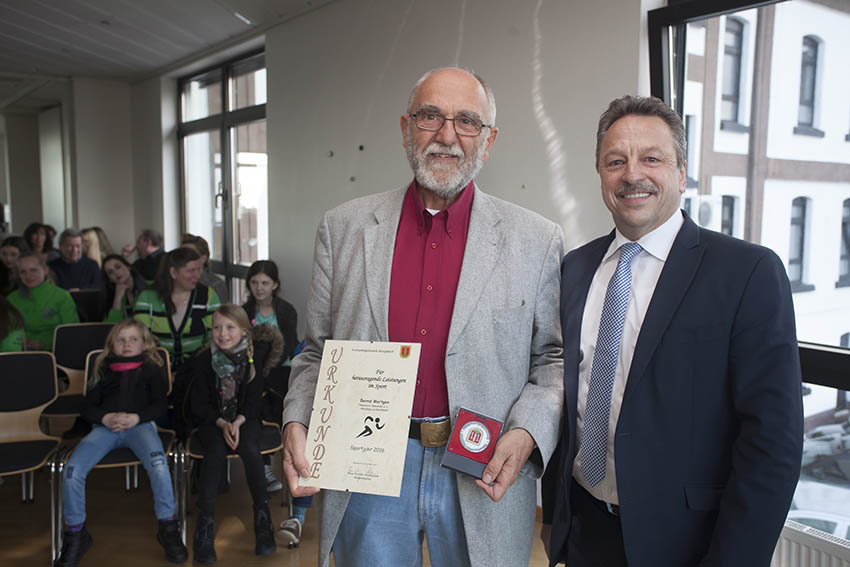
x=456 y=214
x=657 y=242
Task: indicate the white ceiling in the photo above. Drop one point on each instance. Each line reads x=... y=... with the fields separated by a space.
x=45 y=42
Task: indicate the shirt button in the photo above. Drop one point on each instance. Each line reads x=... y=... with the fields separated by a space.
x=423 y=332
x=429 y=287
x=433 y=245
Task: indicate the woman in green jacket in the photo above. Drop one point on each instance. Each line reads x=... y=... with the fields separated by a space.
x=43 y=305
x=11 y=327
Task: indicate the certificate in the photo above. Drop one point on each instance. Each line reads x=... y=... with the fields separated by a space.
x=358 y=431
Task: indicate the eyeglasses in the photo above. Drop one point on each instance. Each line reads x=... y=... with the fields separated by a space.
x=433 y=121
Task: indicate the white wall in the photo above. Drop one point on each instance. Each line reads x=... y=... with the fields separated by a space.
x=339 y=78
x=102 y=143
x=52 y=162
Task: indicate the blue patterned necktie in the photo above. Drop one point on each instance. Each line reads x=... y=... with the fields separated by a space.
x=594 y=438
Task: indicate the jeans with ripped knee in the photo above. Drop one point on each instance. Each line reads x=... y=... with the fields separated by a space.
x=143 y=440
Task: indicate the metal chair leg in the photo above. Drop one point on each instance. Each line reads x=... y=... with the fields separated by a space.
x=228 y=470
x=127 y=478
x=24 y=488
x=32 y=486
x=135 y=477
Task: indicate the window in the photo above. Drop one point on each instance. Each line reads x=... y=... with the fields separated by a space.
x=808 y=86
x=223 y=148
x=797 y=245
x=786 y=186
x=727 y=219
x=844 y=260
x=731 y=93
x=690 y=159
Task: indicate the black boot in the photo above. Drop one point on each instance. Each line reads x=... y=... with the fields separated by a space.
x=168 y=536
x=74 y=545
x=203 y=548
x=263 y=531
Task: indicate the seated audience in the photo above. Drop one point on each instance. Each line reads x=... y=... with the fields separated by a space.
x=43 y=305
x=96 y=244
x=225 y=402
x=123 y=285
x=11 y=327
x=265 y=307
x=149 y=249
x=208 y=278
x=126 y=392
x=38 y=239
x=178 y=311
x=72 y=270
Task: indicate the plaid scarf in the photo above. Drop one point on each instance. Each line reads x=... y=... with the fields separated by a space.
x=231 y=370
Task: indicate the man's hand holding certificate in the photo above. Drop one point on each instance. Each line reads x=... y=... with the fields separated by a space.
x=361 y=415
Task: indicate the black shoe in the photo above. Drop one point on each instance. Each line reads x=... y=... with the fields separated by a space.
x=168 y=536
x=74 y=545
x=203 y=548
x=263 y=531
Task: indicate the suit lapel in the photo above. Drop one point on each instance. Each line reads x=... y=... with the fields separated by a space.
x=673 y=283
x=483 y=242
x=378 y=247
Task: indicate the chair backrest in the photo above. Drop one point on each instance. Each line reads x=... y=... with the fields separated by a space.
x=89 y=304
x=29 y=385
x=71 y=344
x=92 y=356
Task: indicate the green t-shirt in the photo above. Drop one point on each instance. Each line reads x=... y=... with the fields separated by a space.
x=14 y=341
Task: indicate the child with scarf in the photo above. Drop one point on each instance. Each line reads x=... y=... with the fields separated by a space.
x=126 y=392
x=226 y=402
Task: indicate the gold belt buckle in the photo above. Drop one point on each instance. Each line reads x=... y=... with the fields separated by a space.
x=435 y=434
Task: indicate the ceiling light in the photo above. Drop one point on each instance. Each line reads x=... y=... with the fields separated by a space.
x=243 y=18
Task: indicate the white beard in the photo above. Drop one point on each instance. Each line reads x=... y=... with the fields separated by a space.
x=444 y=180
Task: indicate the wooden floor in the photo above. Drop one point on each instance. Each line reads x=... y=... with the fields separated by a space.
x=123 y=527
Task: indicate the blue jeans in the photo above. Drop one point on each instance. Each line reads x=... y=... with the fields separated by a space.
x=144 y=441
x=386 y=531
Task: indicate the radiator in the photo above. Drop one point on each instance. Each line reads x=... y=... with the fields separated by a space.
x=802 y=546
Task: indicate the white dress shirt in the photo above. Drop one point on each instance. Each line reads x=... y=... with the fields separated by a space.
x=646 y=268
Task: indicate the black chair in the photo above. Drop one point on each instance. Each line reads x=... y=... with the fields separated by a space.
x=71 y=344
x=123 y=457
x=89 y=304
x=29 y=386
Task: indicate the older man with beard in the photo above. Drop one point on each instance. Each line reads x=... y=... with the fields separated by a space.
x=475 y=280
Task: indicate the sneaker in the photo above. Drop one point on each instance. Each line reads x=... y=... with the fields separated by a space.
x=272 y=483
x=74 y=545
x=290 y=532
x=203 y=546
x=263 y=531
x=168 y=536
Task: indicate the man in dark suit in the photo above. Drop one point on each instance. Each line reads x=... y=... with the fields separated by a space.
x=682 y=433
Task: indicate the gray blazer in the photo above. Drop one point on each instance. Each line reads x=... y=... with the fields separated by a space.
x=504 y=351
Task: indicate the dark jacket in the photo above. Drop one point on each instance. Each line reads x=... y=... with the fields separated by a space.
x=144 y=391
x=148 y=265
x=287 y=322
x=82 y=274
x=203 y=395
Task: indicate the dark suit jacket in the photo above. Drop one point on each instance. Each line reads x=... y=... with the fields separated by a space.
x=709 y=439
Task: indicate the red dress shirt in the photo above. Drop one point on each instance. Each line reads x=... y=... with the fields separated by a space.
x=426 y=267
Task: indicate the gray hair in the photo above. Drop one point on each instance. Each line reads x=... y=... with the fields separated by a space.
x=152 y=236
x=643 y=106
x=69 y=233
x=491 y=98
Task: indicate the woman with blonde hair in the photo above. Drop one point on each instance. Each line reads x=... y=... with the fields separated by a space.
x=126 y=392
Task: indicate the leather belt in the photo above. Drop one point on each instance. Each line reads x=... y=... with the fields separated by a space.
x=431 y=434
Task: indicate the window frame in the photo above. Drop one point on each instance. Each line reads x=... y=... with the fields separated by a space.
x=809 y=128
x=733 y=123
x=844 y=247
x=224 y=123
